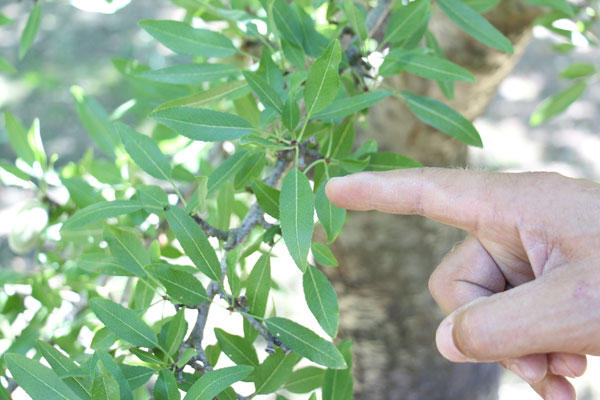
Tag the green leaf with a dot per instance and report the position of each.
(482, 6)
(136, 375)
(338, 384)
(291, 112)
(6, 66)
(321, 300)
(105, 386)
(182, 38)
(258, 286)
(111, 366)
(197, 202)
(101, 263)
(65, 368)
(265, 92)
(4, 20)
(226, 202)
(305, 380)
(559, 5)
(331, 217)
(238, 349)
(577, 70)
(267, 198)
(40, 382)
(96, 122)
(176, 332)
(443, 118)
(406, 20)
(350, 105)
(269, 71)
(226, 170)
(274, 371)
(203, 124)
(384, 161)
(125, 323)
(286, 22)
(144, 151)
(190, 74)
(31, 29)
(214, 382)
(558, 103)
(305, 342)
(323, 82)
(229, 90)
(181, 286)
(475, 25)
(165, 387)
(20, 139)
(128, 250)
(432, 68)
(293, 53)
(251, 169)
(447, 87)
(185, 357)
(356, 18)
(147, 357)
(296, 211)
(194, 241)
(342, 140)
(323, 255)
(101, 211)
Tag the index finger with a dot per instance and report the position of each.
(460, 198)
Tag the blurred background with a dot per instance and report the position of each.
(75, 45)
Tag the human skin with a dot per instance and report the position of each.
(523, 289)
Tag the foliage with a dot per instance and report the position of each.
(238, 146)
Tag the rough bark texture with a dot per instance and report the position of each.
(385, 261)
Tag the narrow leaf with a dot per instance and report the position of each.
(182, 38)
(229, 90)
(40, 382)
(442, 117)
(350, 105)
(267, 197)
(331, 217)
(305, 380)
(127, 248)
(338, 384)
(226, 171)
(194, 241)
(432, 68)
(558, 103)
(31, 29)
(356, 18)
(577, 70)
(6, 66)
(19, 138)
(305, 342)
(165, 387)
(274, 371)
(145, 152)
(384, 161)
(406, 20)
(181, 286)
(296, 210)
(65, 368)
(286, 22)
(321, 300)
(291, 112)
(323, 80)
(203, 124)
(266, 93)
(125, 323)
(323, 255)
(190, 74)
(101, 211)
(475, 25)
(214, 382)
(105, 386)
(238, 349)
(258, 286)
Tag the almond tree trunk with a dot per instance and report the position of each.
(385, 261)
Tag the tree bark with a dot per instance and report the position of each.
(385, 261)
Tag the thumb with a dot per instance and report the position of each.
(556, 313)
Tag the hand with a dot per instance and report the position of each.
(524, 288)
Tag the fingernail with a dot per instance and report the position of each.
(524, 372)
(445, 342)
